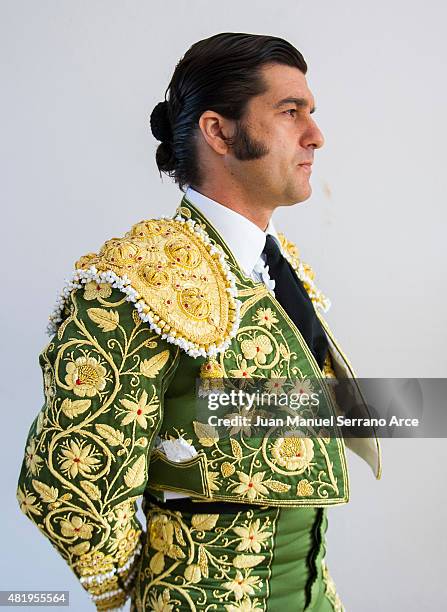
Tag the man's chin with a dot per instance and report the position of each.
(298, 196)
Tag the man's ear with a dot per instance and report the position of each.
(215, 130)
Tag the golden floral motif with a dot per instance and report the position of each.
(94, 290)
(251, 487)
(78, 458)
(242, 584)
(123, 514)
(32, 459)
(257, 348)
(85, 376)
(304, 272)
(183, 253)
(193, 302)
(244, 371)
(183, 211)
(155, 275)
(265, 317)
(138, 410)
(293, 452)
(252, 536)
(27, 502)
(76, 527)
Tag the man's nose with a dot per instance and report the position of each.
(314, 137)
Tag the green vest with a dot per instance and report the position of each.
(133, 330)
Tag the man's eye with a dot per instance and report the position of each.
(291, 110)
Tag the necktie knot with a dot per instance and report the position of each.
(271, 251)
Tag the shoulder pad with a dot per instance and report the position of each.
(304, 273)
(178, 281)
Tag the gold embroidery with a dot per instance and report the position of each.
(304, 273)
(198, 304)
(205, 560)
(88, 448)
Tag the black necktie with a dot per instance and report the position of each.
(292, 296)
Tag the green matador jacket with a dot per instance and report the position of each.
(135, 327)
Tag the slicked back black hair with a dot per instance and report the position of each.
(220, 73)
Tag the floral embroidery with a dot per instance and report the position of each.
(205, 560)
(293, 453)
(94, 291)
(75, 528)
(85, 376)
(251, 486)
(242, 584)
(252, 536)
(139, 410)
(266, 317)
(27, 502)
(85, 462)
(33, 461)
(78, 458)
(244, 371)
(257, 349)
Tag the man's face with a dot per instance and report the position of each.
(276, 136)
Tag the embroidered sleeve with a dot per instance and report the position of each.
(87, 453)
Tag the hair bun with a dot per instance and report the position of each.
(160, 123)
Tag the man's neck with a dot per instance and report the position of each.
(238, 202)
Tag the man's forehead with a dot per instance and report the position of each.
(287, 85)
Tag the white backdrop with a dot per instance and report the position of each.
(79, 80)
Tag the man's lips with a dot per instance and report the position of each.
(306, 166)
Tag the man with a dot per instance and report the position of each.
(213, 293)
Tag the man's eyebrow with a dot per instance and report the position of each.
(300, 103)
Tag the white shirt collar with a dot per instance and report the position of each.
(245, 239)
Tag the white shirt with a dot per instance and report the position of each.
(246, 241)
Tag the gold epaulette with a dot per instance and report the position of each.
(304, 273)
(179, 282)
